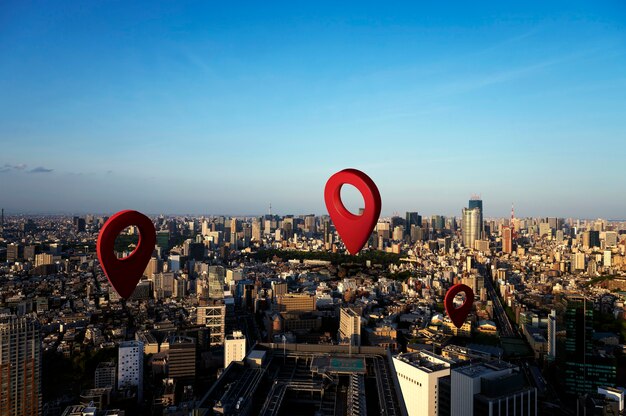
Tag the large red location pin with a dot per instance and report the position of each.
(459, 314)
(354, 230)
(124, 274)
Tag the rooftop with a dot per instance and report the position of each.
(426, 361)
(483, 369)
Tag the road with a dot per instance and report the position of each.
(502, 319)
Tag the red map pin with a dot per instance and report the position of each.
(354, 230)
(124, 274)
(459, 314)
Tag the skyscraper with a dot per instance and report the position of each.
(130, 367)
(105, 375)
(216, 282)
(552, 335)
(413, 218)
(256, 229)
(471, 226)
(585, 369)
(591, 239)
(476, 202)
(507, 240)
(233, 233)
(181, 357)
(20, 367)
(309, 224)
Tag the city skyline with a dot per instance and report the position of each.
(210, 108)
(301, 213)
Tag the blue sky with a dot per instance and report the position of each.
(224, 107)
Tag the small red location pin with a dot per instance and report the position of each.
(459, 314)
(124, 274)
(354, 230)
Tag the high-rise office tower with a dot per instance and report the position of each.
(79, 224)
(418, 375)
(181, 357)
(20, 367)
(14, 252)
(206, 227)
(105, 375)
(437, 222)
(610, 239)
(309, 224)
(578, 261)
(398, 233)
(233, 233)
(279, 289)
(154, 266)
(234, 348)
(288, 227)
(471, 226)
(413, 218)
(130, 367)
(507, 240)
(256, 229)
(326, 231)
(30, 252)
(552, 335)
(349, 327)
(476, 202)
(545, 229)
(174, 262)
(216, 282)
(163, 285)
(585, 370)
(492, 388)
(43, 259)
(591, 239)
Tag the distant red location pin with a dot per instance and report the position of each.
(458, 315)
(124, 274)
(354, 230)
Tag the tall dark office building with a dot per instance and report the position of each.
(163, 239)
(476, 202)
(181, 357)
(412, 218)
(20, 367)
(29, 252)
(14, 252)
(585, 368)
(28, 227)
(437, 222)
(79, 224)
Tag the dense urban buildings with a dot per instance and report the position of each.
(270, 315)
(20, 364)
